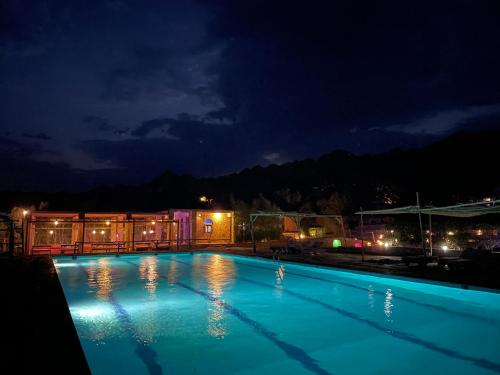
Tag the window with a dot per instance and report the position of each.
(208, 225)
(53, 232)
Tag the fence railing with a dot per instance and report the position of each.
(118, 247)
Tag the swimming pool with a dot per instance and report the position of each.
(207, 313)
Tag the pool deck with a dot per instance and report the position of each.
(386, 265)
(37, 329)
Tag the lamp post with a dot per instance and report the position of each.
(25, 213)
(208, 201)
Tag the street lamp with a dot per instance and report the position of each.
(208, 201)
(25, 213)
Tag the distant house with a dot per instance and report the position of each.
(72, 232)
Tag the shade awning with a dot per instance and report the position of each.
(459, 210)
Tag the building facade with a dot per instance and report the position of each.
(53, 232)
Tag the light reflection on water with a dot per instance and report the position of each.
(220, 273)
(280, 277)
(172, 272)
(388, 306)
(98, 317)
(99, 277)
(148, 270)
(371, 297)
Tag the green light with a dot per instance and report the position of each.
(336, 243)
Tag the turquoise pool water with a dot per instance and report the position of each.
(205, 313)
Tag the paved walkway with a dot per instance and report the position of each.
(388, 265)
(37, 331)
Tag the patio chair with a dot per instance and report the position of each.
(467, 259)
(419, 260)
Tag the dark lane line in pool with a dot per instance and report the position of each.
(480, 362)
(146, 354)
(294, 352)
(405, 299)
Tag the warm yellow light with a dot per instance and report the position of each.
(217, 216)
(228, 214)
(102, 232)
(25, 212)
(386, 244)
(107, 223)
(302, 236)
(56, 222)
(381, 236)
(151, 231)
(143, 232)
(51, 232)
(392, 230)
(203, 198)
(451, 233)
(368, 243)
(153, 222)
(479, 232)
(93, 232)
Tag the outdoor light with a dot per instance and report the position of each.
(107, 222)
(381, 236)
(56, 222)
(451, 233)
(479, 232)
(302, 236)
(203, 198)
(51, 232)
(444, 247)
(151, 231)
(153, 222)
(102, 232)
(386, 244)
(25, 212)
(143, 232)
(217, 216)
(392, 230)
(93, 232)
(336, 243)
(228, 214)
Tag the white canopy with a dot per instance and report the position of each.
(459, 210)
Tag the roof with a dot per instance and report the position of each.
(459, 210)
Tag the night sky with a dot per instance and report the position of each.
(118, 91)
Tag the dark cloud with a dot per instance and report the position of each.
(21, 162)
(39, 136)
(160, 72)
(185, 126)
(259, 81)
(102, 124)
(306, 67)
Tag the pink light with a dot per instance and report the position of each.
(358, 244)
